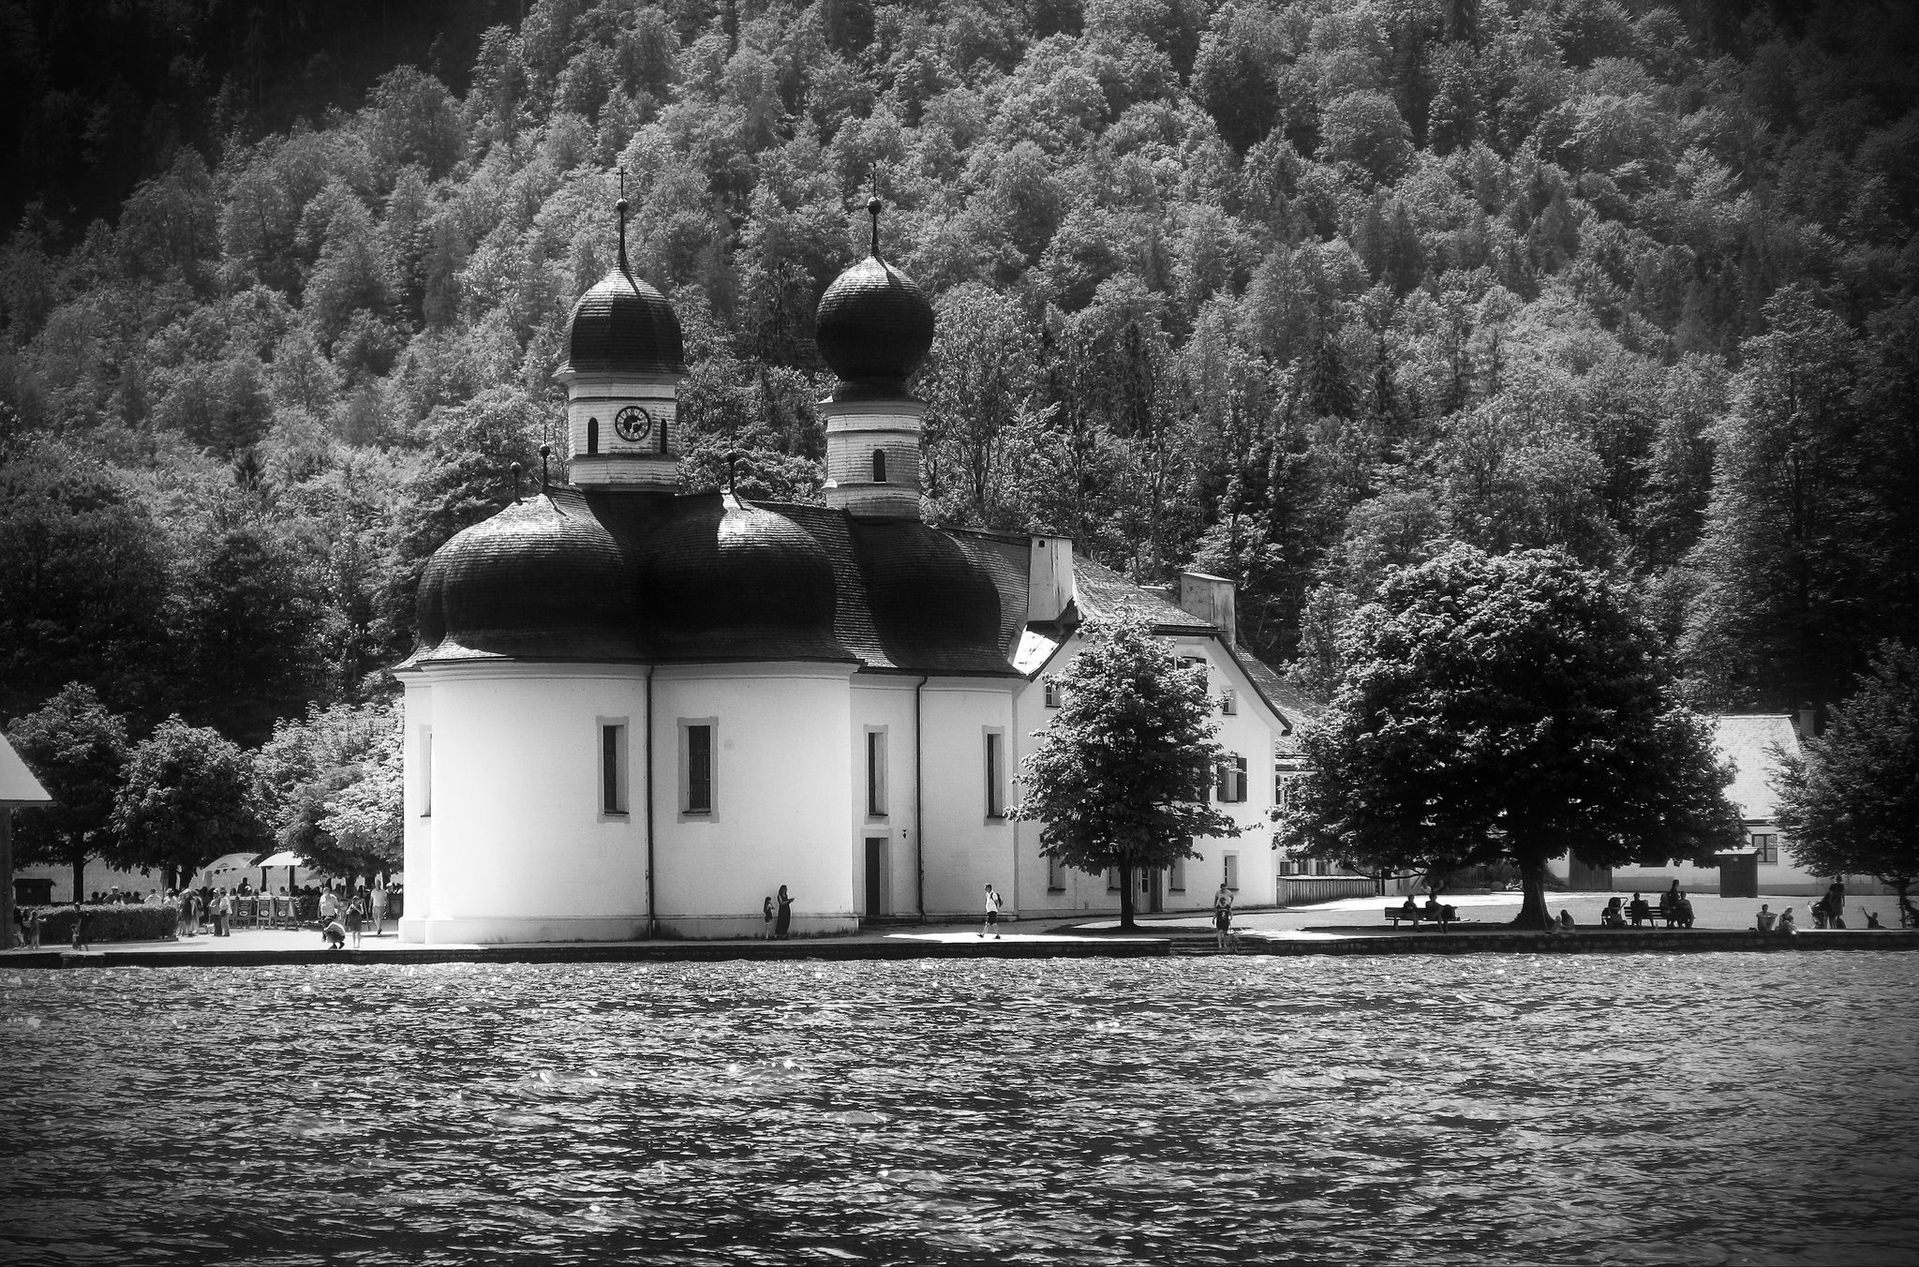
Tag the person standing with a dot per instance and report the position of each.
(354, 916)
(377, 905)
(783, 924)
(766, 919)
(329, 906)
(993, 905)
(79, 927)
(1223, 915)
(222, 912)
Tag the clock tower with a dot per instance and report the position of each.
(622, 373)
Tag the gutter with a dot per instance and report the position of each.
(919, 800)
(652, 917)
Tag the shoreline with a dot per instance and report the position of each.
(1065, 943)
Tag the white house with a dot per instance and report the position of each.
(633, 712)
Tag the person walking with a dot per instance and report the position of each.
(329, 906)
(783, 922)
(376, 906)
(1223, 915)
(80, 927)
(993, 905)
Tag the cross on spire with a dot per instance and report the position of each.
(621, 207)
(873, 206)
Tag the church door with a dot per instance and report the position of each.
(876, 903)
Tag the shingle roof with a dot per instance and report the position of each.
(1103, 592)
(1747, 741)
(623, 326)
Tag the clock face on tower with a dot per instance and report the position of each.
(633, 423)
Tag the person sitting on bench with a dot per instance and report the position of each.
(1438, 912)
(1614, 916)
(1766, 918)
(1639, 911)
(1682, 912)
(1411, 907)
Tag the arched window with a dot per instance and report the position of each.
(879, 466)
(592, 436)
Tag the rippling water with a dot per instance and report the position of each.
(1710, 1108)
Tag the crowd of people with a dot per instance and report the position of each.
(339, 912)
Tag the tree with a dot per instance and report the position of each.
(78, 751)
(1506, 708)
(1851, 799)
(1122, 772)
(187, 799)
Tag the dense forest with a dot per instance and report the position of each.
(1291, 292)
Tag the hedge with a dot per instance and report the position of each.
(109, 922)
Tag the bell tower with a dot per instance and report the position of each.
(624, 363)
(874, 328)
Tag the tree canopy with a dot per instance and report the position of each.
(78, 750)
(1124, 770)
(1849, 801)
(1506, 708)
(186, 801)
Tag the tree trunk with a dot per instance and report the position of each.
(1126, 923)
(79, 874)
(1533, 915)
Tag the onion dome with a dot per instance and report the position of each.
(623, 326)
(934, 606)
(726, 580)
(874, 325)
(541, 580)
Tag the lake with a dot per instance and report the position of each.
(1463, 1109)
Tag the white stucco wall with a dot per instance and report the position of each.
(885, 703)
(518, 847)
(781, 813)
(964, 848)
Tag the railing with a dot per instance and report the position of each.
(1302, 890)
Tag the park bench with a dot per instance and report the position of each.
(1660, 914)
(1442, 917)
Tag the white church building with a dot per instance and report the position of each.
(634, 712)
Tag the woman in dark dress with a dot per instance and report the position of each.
(785, 921)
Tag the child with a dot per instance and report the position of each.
(766, 918)
(353, 918)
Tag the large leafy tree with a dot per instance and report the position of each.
(78, 750)
(1851, 800)
(1122, 773)
(1506, 709)
(187, 799)
(328, 787)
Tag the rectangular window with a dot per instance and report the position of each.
(696, 767)
(1767, 845)
(1176, 874)
(426, 778)
(1055, 876)
(1052, 693)
(875, 772)
(1231, 779)
(995, 774)
(1286, 864)
(612, 767)
(1112, 879)
(1230, 871)
(1229, 702)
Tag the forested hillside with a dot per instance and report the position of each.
(1290, 292)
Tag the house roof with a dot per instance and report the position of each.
(17, 784)
(1747, 741)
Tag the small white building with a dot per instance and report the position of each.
(633, 712)
(1764, 864)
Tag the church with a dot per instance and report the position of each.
(633, 712)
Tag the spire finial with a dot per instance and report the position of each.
(873, 205)
(513, 474)
(621, 207)
(546, 451)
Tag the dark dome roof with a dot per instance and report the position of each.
(540, 580)
(623, 326)
(933, 605)
(733, 581)
(874, 327)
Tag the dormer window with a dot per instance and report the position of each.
(879, 466)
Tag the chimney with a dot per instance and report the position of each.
(1212, 599)
(1049, 579)
(1807, 723)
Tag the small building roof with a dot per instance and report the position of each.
(1747, 741)
(17, 784)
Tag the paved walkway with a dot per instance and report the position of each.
(1351, 925)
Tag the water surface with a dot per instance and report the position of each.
(1457, 1109)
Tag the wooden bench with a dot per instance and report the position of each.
(1661, 914)
(1442, 917)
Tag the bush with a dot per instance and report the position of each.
(115, 922)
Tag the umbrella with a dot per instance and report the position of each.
(285, 858)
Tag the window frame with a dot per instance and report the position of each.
(1229, 870)
(426, 766)
(615, 767)
(993, 758)
(709, 812)
(878, 802)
